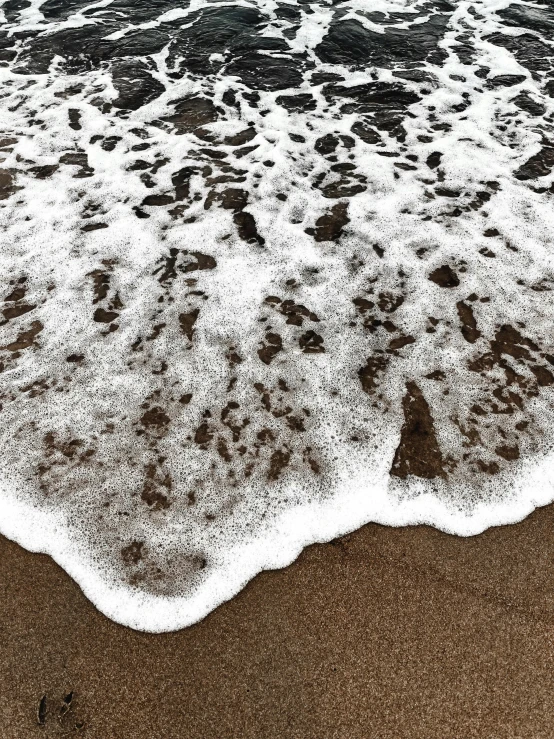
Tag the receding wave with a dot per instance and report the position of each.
(270, 271)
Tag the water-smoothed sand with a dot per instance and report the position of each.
(393, 633)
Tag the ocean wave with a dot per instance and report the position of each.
(271, 271)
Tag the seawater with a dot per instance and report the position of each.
(269, 271)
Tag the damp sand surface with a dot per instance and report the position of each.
(389, 633)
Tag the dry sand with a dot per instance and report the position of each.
(384, 633)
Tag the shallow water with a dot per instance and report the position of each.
(269, 271)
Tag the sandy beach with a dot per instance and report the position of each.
(269, 272)
(384, 633)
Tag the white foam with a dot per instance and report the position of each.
(159, 521)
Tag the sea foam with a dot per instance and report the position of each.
(270, 271)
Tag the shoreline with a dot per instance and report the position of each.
(387, 632)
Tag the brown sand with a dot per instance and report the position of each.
(385, 633)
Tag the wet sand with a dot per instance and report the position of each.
(384, 633)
